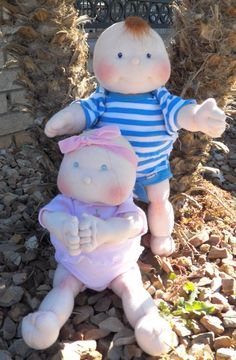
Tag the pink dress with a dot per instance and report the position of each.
(98, 268)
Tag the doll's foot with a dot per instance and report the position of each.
(155, 336)
(162, 245)
(40, 329)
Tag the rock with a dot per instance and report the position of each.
(212, 323)
(229, 319)
(93, 299)
(204, 248)
(31, 243)
(5, 355)
(82, 314)
(201, 351)
(228, 269)
(222, 342)
(98, 318)
(9, 328)
(218, 253)
(196, 327)
(95, 334)
(102, 304)
(124, 337)
(18, 311)
(181, 329)
(210, 270)
(78, 350)
(199, 238)
(232, 299)
(11, 296)
(132, 351)
(179, 353)
(112, 324)
(9, 199)
(214, 240)
(216, 284)
(18, 347)
(229, 286)
(218, 298)
(19, 278)
(114, 352)
(92, 355)
(206, 338)
(225, 354)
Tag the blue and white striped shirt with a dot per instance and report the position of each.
(148, 121)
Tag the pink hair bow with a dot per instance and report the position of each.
(103, 137)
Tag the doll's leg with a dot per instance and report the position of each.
(153, 333)
(41, 328)
(160, 218)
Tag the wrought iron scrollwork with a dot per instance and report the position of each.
(106, 12)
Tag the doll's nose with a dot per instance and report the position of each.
(135, 60)
(87, 180)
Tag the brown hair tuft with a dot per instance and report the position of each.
(137, 26)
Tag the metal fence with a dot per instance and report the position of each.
(106, 12)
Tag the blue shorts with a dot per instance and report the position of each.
(139, 187)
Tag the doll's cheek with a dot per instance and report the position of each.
(162, 70)
(105, 71)
(62, 185)
(114, 194)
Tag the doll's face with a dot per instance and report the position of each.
(129, 64)
(96, 175)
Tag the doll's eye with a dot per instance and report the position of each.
(149, 55)
(76, 164)
(103, 167)
(120, 55)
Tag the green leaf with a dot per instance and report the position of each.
(172, 276)
(189, 287)
(164, 308)
(199, 307)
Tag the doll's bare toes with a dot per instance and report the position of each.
(155, 336)
(162, 246)
(40, 329)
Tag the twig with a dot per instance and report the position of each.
(200, 188)
(193, 77)
(190, 198)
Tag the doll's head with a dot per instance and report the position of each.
(99, 166)
(131, 58)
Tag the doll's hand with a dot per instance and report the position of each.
(210, 119)
(71, 237)
(59, 124)
(91, 229)
(67, 121)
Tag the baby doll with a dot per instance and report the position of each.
(132, 66)
(96, 228)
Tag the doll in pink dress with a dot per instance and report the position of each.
(96, 230)
(132, 66)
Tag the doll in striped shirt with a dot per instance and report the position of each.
(132, 66)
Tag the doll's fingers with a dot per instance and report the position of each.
(217, 114)
(73, 241)
(85, 223)
(85, 233)
(85, 240)
(74, 252)
(87, 247)
(71, 227)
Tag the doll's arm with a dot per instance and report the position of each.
(69, 120)
(65, 228)
(94, 231)
(207, 118)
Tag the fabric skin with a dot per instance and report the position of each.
(92, 268)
